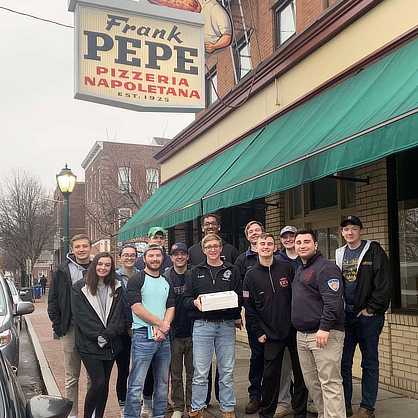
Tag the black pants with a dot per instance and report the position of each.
(273, 359)
(96, 397)
(122, 361)
(209, 394)
(149, 384)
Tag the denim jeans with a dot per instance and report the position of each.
(364, 331)
(143, 352)
(207, 337)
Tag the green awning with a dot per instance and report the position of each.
(369, 116)
(180, 200)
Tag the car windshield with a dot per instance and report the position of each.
(2, 302)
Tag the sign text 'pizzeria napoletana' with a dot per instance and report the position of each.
(139, 56)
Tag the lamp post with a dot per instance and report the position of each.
(66, 182)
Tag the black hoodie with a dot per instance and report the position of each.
(267, 299)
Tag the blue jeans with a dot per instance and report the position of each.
(364, 331)
(208, 336)
(255, 374)
(143, 352)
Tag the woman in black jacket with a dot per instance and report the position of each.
(96, 303)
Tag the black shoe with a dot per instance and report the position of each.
(349, 411)
(252, 406)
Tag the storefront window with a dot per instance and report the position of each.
(323, 194)
(328, 241)
(297, 201)
(408, 228)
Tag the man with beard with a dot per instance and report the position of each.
(152, 301)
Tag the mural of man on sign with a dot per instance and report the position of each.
(218, 23)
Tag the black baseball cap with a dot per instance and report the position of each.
(353, 220)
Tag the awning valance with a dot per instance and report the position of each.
(367, 117)
(180, 200)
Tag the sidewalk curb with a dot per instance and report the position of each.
(47, 376)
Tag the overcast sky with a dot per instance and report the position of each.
(41, 125)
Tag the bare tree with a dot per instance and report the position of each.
(27, 220)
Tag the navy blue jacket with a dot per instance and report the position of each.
(282, 255)
(245, 261)
(318, 296)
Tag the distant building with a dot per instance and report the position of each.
(119, 179)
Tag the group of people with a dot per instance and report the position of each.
(304, 316)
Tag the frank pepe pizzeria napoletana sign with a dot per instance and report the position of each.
(138, 56)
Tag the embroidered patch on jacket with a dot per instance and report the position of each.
(334, 284)
(308, 275)
(367, 263)
(227, 274)
(246, 294)
(284, 282)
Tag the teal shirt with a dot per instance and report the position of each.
(154, 294)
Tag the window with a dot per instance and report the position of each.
(408, 228)
(124, 179)
(42, 272)
(124, 215)
(152, 180)
(328, 241)
(242, 57)
(211, 86)
(285, 21)
(323, 194)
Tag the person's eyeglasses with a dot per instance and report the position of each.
(212, 247)
(128, 255)
(210, 224)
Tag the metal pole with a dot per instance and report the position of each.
(66, 225)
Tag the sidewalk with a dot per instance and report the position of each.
(50, 358)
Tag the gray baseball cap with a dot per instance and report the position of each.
(288, 228)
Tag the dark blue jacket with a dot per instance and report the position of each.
(282, 255)
(318, 296)
(245, 261)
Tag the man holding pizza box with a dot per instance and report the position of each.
(215, 318)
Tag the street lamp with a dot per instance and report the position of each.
(66, 182)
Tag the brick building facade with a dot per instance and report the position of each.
(119, 179)
(270, 137)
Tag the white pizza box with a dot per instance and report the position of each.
(219, 300)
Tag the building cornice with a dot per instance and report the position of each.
(97, 147)
(370, 59)
(333, 21)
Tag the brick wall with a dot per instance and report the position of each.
(398, 347)
(372, 202)
(259, 20)
(275, 216)
(306, 12)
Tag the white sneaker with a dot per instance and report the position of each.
(281, 411)
(177, 414)
(145, 411)
(73, 416)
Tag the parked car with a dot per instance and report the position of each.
(13, 290)
(9, 322)
(13, 403)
